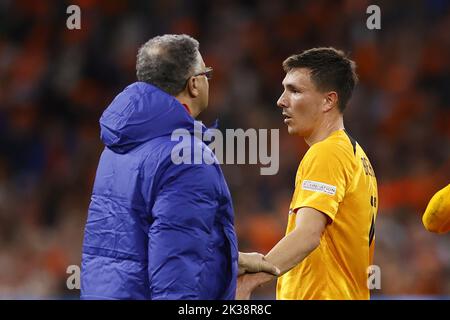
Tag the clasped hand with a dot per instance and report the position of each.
(254, 270)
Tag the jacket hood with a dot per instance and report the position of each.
(139, 113)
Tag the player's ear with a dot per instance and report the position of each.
(330, 101)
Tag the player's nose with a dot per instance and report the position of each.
(282, 102)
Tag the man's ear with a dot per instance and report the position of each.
(192, 87)
(330, 101)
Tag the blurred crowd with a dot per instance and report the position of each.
(55, 83)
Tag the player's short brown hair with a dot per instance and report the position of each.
(330, 69)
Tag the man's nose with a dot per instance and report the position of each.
(281, 101)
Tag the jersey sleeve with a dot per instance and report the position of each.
(437, 214)
(322, 179)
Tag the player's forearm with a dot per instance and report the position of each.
(286, 254)
(293, 248)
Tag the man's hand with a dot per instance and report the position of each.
(248, 282)
(254, 262)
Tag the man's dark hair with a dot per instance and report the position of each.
(330, 69)
(168, 61)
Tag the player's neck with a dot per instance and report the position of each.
(324, 130)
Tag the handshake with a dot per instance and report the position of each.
(254, 270)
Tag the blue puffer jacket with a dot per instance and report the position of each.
(156, 230)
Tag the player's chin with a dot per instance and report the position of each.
(292, 130)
